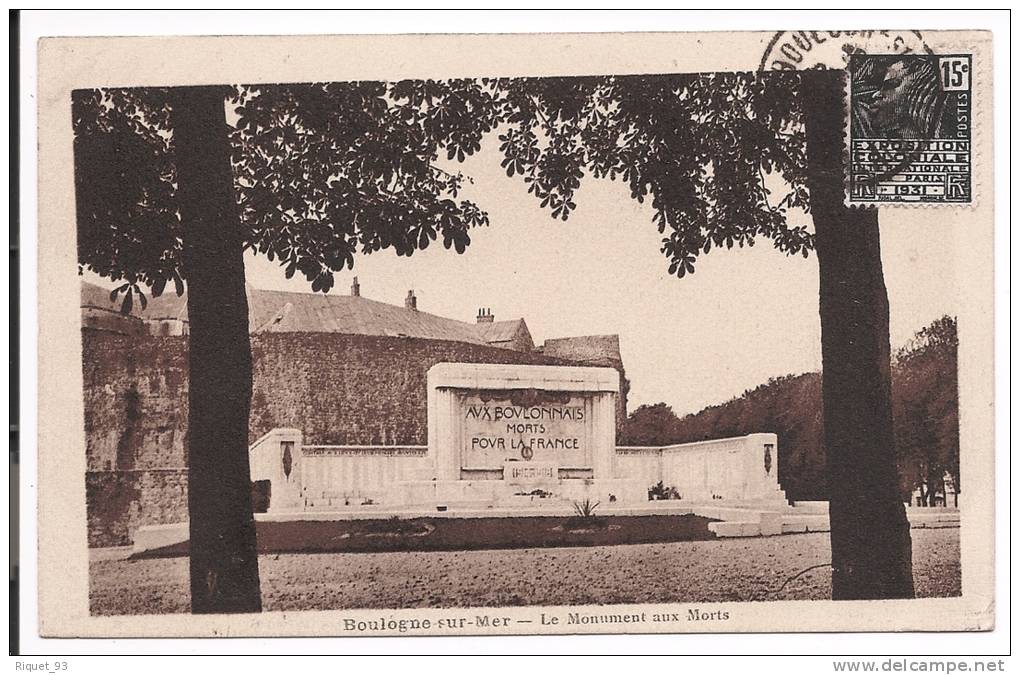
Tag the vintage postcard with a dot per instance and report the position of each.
(515, 334)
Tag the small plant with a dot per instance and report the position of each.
(585, 519)
(661, 491)
(585, 509)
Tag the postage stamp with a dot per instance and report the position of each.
(910, 128)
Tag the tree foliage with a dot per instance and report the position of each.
(325, 171)
(699, 147)
(925, 407)
(650, 424)
(321, 171)
(125, 186)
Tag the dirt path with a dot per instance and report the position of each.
(698, 571)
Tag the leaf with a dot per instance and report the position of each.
(125, 307)
(157, 287)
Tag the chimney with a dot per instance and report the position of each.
(484, 316)
(411, 302)
(356, 288)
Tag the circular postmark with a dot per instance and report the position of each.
(825, 50)
(809, 49)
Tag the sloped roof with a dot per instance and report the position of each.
(287, 312)
(95, 296)
(279, 311)
(282, 311)
(167, 306)
(499, 331)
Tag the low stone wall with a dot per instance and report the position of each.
(352, 475)
(742, 468)
(119, 502)
(317, 476)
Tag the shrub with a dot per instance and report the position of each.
(660, 491)
(585, 518)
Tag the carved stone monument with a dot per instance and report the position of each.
(502, 431)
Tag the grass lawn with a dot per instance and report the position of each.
(463, 534)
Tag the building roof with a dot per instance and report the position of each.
(500, 331)
(602, 349)
(281, 311)
(167, 306)
(287, 312)
(95, 296)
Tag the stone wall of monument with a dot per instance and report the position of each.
(337, 389)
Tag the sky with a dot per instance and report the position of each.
(744, 316)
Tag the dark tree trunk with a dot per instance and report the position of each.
(871, 553)
(224, 564)
(936, 485)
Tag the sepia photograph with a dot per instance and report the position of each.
(588, 349)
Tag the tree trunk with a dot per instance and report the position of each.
(224, 563)
(871, 552)
(936, 484)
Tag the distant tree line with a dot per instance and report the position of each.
(925, 418)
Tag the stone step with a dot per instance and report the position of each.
(808, 522)
(920, 520)
(811, 506)
(149, 537)
(736, 528)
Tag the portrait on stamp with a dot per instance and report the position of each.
(910, 128)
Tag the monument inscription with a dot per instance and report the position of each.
(523, 425)
(485, 418)
(530, 472)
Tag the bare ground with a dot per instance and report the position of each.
(693, 571)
